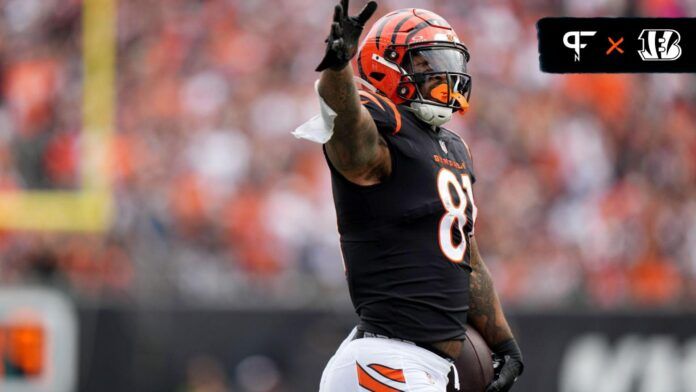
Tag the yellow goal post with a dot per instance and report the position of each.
(90, 208)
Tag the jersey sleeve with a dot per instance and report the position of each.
(383, 111)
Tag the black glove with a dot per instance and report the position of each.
(507, 362)
(342, 43)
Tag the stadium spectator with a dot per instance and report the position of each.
(210, 186)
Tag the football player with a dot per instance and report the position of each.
(402, 187)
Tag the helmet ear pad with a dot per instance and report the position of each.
(381, 69)
(406, 90)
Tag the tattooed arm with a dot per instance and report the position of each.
(485, 312)
(487, 317)
(356, 149)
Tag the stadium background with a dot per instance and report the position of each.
(148, 174)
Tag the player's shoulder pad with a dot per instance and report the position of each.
(383, 111)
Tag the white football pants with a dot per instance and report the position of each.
(382, 364)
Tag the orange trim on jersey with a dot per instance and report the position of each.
(392, 374)
(371, 97)
(370, 383)
(376, 98)
(397, 115)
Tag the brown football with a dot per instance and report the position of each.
(474, 365)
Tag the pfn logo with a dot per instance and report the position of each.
(576, 45)
(660, 45)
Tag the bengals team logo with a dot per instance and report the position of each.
(660, 45)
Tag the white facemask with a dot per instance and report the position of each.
(431, 114)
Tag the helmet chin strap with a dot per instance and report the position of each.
(432, 114)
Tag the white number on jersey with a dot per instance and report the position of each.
(455, 213)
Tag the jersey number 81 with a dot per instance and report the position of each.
(455, 213)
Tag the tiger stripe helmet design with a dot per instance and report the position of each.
(386, 58)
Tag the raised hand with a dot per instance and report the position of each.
(342, 42)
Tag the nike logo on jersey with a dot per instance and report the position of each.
(443, 145)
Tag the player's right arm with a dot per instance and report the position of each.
(356, 148)
(486, 315)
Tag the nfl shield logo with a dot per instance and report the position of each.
(444, 147)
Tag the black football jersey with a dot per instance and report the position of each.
(405, 241)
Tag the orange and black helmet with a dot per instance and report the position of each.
(409, 46)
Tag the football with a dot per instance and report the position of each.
(474, 364)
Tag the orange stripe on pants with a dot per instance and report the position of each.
(371, 384)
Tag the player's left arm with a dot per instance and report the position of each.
(486, 315)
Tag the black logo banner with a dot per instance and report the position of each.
(617, 45)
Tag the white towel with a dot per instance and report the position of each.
(319, 128)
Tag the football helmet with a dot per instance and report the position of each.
(414, 57)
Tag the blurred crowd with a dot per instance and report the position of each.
(586, 184)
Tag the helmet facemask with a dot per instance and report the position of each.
(435, 81)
